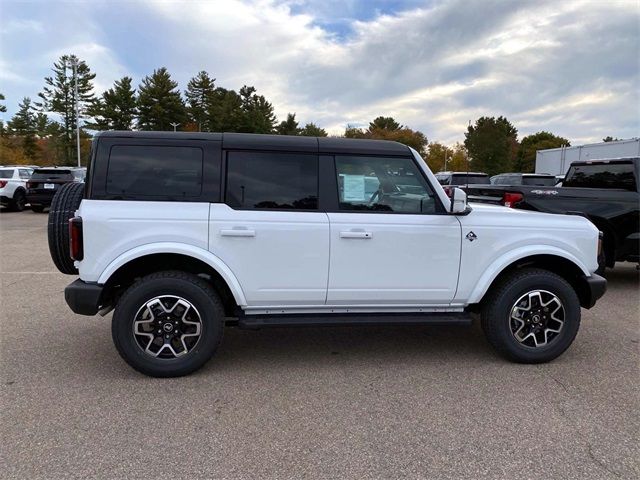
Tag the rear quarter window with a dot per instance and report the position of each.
(6, 173)
(154, 171)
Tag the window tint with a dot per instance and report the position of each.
(148, 171)
(6, 173)
(25, 173)
(542, 181)
(52, 174)
(463, 179)
(443, 179)
(605, 175)
(382, 184)
(285, 181)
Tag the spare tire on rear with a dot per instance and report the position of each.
(63, 207)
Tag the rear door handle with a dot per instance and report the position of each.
(352, 234)
(237, 232)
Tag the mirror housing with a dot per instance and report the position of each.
(458, 201)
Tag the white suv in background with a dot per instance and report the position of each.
(13, 186)
(184, 233)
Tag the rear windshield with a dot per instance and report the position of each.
(51, 174)
(542, 181)
(470, 179)
(6, 173)
(601, 175)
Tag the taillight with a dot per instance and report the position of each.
(29, 185)
(76, 250)
(3, 183)
(448, 189)
(600, 237)
(509, 199)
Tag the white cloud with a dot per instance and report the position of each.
(570, 67)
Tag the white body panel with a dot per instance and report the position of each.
(15, 182)
(505, 235)
(380, 258)
(280, 258)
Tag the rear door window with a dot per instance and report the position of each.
(266, 180)
(138, 172)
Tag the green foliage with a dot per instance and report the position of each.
(526, 160)
(58, 95)
(456, 157)
(609, 138)
(384, 123)
(386, 128)
(116, 109)
(23, 125)
(257, 112)
(312, 130)
(3, 108)
(159, 102)
(289, 126)
(492, 144)
(201, 101)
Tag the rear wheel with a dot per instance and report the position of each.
(19, 201)
(532, 316)
(63, 207)
(168, 324)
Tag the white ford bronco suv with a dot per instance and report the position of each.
(184, 233)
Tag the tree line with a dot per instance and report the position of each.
(43, 131)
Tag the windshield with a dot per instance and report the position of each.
(601, 175)
(463, 179)
(6, 173)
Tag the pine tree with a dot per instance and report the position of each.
(492, 144)
(312, 130)
(159, 102)
(58, 96)
(3, 108)
(288, 126)
(225, 112)
(116, 109)
(257, 112)
(200, 95)
(23, 125)
(384, 123)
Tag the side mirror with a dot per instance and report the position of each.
(458, 201)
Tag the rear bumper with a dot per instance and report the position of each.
(592, 288)
(84, 298)
(40, 199)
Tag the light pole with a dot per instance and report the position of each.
(445, 159)
(74, 64)
(174, 125)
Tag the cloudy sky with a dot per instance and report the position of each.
(569, 67)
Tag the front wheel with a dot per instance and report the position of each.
(168, 324)
(532, 316)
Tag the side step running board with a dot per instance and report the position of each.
(354, 319)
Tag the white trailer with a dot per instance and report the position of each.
(556, 161)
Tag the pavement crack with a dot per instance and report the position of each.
(600, 463)
(564, 387)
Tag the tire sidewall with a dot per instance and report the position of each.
(136, 297)
(502, 309)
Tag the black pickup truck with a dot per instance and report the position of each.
(605, 191)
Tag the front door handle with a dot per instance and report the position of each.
(352, 234)
(237, 232)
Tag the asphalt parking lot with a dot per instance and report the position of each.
(362, 402)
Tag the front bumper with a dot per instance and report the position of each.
(591, 289)
(84, 298)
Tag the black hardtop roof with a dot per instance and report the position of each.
(253, 141)
(607, 160)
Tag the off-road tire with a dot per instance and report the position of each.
(496, 311)
(190, 287)
(63, 207)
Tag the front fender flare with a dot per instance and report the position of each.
(182, 249)
(502, 262)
